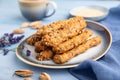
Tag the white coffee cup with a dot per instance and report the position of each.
(36, 9)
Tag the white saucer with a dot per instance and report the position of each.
(105, 11)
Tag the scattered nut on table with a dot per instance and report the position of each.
(19, 31)
(36, 25)
(44, 76)
(24, 73)
(25, 24)
(27, 79)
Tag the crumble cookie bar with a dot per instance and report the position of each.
(60, 25)
(54, 26)
(73, 42)
(72, 28)
(62, 58)
(51, 27)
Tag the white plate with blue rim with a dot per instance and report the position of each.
(91, 12)
(94, 53)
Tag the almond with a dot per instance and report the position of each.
(36, 25)
(44, 76)
(27, 79)
(24, 73)
(19, 31)
(25, 24)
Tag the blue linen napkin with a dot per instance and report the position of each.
(108, 67)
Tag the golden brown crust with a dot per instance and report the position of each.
(74, 42)
(71, 28)
(45, 55)
(62, 58)
(33, 38)
(54, 26)
(51, 27)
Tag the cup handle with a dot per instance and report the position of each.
(54, 5)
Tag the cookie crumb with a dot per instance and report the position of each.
(19, 31)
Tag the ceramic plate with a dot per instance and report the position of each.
(92, 53)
